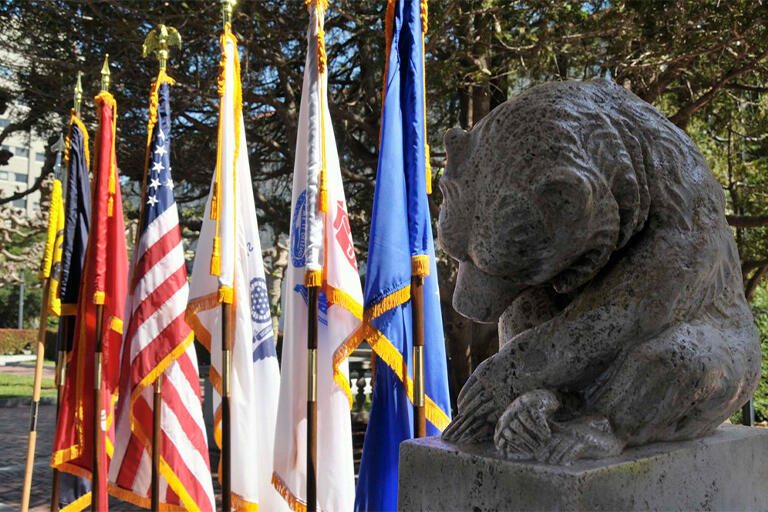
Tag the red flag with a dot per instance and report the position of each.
(104, 282)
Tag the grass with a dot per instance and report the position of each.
(15, 386)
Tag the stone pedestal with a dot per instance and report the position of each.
(726, 471)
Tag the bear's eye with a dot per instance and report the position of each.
(566, 197)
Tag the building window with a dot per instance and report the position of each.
(21, 178)
(4, 122)
(5, 147)
(4, 175)
(20, 203)
(22, 152)
(40, 157)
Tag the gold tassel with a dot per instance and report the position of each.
(216, 257)
(215, 201)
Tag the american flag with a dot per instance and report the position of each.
(158, 341)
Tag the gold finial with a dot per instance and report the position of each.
(159, 40)
(78, 93)
(105, 74)
(226, 11)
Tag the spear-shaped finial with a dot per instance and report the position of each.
(58, 148)
(78, 98)
(105, 74)
(159, 40)
(226, 11)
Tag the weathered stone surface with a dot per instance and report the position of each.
(592, 230)
(725, 471)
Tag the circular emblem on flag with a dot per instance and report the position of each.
(298, 231)
(259, 300)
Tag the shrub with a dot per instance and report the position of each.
(14, 341)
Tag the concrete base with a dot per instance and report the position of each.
(726, 471)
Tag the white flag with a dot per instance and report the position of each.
(228, 268)
(321, 249)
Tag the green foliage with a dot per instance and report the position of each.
(15, 341)
(760, 310)
(9, 302)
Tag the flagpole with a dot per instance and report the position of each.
(157, 405)
(312, 292)
(32, 440)
(418, 275)
(97, 408)
(158, 42)
(226, 392)
(417, 312)
(226, 358)
(97, 368)
(64, 348)
(61, 375)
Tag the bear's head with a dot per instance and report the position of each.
(540, 192)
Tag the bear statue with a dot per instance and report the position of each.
(592, 230)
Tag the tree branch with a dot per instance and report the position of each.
(747, 221)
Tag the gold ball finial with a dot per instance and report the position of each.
(105, 74)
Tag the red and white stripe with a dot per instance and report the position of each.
(154, 340)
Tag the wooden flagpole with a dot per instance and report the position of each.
(97, 410)
(98, 406)
(157, 405)
(157, 41)
(64, 348)
(312, 292)
(61, 376)
(417, 315)
(32, 440)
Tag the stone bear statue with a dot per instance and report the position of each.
(592, 230)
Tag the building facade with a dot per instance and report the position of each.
(23, 168)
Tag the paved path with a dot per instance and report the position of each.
(27, 368)
(14, 428)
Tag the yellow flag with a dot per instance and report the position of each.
(51, 264)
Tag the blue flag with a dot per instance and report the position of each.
(76, 217)
(401, 246)
(74, 491)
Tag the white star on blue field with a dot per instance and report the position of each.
(159, 193)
